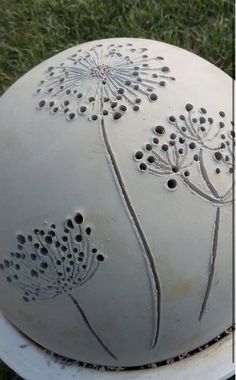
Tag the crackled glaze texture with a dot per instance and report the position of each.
(142, 272)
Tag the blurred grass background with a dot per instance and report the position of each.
(33, 30)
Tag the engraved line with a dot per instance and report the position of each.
(205, 175)
(75, 302)
(146, 247)
(213, 259)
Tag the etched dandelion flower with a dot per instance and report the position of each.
(48, 263)
(184, 153)
(103, 80)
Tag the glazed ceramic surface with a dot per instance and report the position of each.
(116, 202)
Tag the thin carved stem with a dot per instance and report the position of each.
(202, 194)
(213, 259)
(147, 250)
(205, 176)
(91, 329)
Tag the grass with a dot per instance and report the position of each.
(33, 30)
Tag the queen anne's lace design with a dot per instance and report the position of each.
(102, 81)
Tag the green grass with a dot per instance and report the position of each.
(33, 30)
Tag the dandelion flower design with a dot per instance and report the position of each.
(102, 81)
(105, 82)
(48, 263)
(180, 150)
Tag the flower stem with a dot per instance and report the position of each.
(213, 259)
(148, 254)
(91, 329)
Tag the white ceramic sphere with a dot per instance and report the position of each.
(116, 202)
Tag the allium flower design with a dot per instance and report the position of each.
(183, 147)
(48, 263)
(103, 80)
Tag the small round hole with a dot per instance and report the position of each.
(42, 103)
(117, 115)
(143, 166)
(139, 155)
(189, 107)
(153, 96)
(172, 183)
(71, 116)
(100, 257)
(160, 130)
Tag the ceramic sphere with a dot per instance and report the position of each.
(116, 202)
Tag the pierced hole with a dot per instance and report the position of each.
(189, 107)
(175, 169)
(69, 223)
(123, 108)
(135, 108)
(71, 116)
(218, 156)
(202, 120)
(165, 147)
(42, 103)
(20, 239)
(44, 251)
(192, 145)
(165, 69)
(153, 97)
(160, 130)
(139, 155)
(78, 238)
(143, 166)
(88, 230)
(94, 117)
(83, 109)
(100, 257)
(148, 147)
(117, 115)
(48, 239)
(44, 265)
(172, 183)
(78, 218)
(151, 159)
(172, 119)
